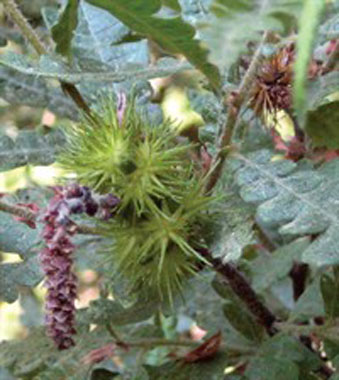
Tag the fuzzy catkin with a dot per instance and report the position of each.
(56, 258)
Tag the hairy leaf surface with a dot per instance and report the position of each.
(141, 17)
(296, 199)
(50, 67)
(227, 41)
(29, 147)
(23, 89)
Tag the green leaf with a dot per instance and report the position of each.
(104, 311)
(330, 29)
(212, 369)
(308, 24)
(5, 375)
(50, 67)
(269, 368)
(295, 199)
(27, 273)
(62, 32)
(271, 268)
(310, 303)
(29, 147)
(173, 4)
(22, 89)
(97, 39)
(227, 40)
(235, 229)
(321, 88)
(329, 286)
(242, 321)
(322, 126)
(282, 357)
(36, 357)
(139, 16)
(290, 348)
(205, 307)
(16, 237)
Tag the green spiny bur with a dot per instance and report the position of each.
(160, 222)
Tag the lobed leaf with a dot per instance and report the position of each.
(35, 356)
(296, 199)
(16, 237)
(227, 40)
(22, 89)
(172, 34)
(29, 147)
(97, 39)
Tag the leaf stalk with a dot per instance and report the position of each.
(29, 33)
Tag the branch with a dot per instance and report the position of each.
(29, 215)
(16, 15)
(244, 291)
(234, 103)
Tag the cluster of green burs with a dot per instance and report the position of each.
(160, 223)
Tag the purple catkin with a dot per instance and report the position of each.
(56, 258)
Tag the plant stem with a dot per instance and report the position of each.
(244, 291)
(27, 214)
(16, 15)
(234, 103)
(113, 333)
(18, 211)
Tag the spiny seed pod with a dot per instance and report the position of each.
(159, 252)
(159, 223)
(272, 90)
(128, 155)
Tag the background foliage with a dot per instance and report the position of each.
(278, 217)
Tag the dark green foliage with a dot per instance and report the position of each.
(62, 32)
(181, 371)
(329, 290)
(322, 126)
(30, 147)
(295, 199)
(18, 238)
(272, 214)
(139, 16)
